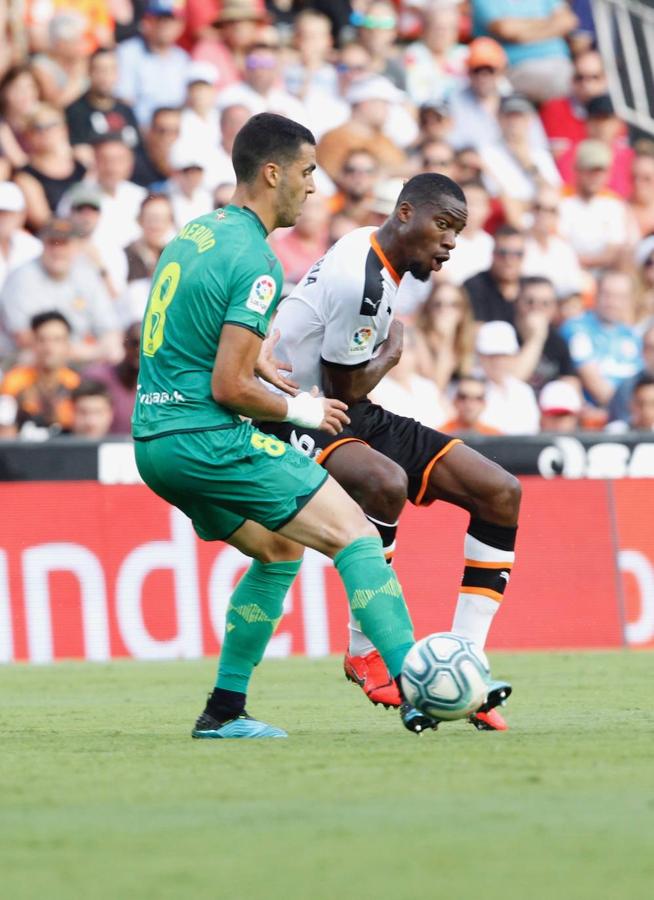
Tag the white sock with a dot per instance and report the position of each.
(477, 606)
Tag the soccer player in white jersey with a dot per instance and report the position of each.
(337, 332)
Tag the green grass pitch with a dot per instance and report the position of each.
(104, 795)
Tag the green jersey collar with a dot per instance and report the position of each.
(251, 214)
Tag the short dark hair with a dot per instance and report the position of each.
(91, 388)
(428, 187)
(101, 51)
(264, 138)
(50, 315)
(508, 231)
(645, 379)
(109, 137)
(534, 281)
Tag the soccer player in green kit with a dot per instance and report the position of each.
(214, 292)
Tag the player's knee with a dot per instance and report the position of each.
(338, 537)
(507, 496)
(382, 492)
(277, 548)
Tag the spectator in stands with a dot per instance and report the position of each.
(408, 393)
(17, 246)
(188, 196)
(493, 292)
(152, 165)
(445, 335)
(219, 168)
(120, 379)
(152, 67)
(157, 229)
(98, 112)
(38, 395)
(106, 256)
(62, 72)
(92, 411)
(546, 253)
(641, 202)
(533, 35)
(300, 246)
(603, 125)
(544, 354)
(376, 31)
(200, 119)
(259, 90)
(474, 246)
(356, 182)
(19, 96)
(58, 280)
(371, 99)
(438, 60)
(121, 198)
(511, 406)
(619, 406)
(565, 117)
(312, 77)
(514, 170)
(437, 156)
(469, 166)
(560, 407)
(603, 344)
(641, 406)
(52, 168)
(237, 27)
(644, 259)
(435, 121)
(593, 220)
(469, 403)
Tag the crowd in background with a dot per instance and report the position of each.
(117, 119)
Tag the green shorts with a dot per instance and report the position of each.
(220, 478)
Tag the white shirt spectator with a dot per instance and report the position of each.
(592, 225)
(556, 261)
(420, 400)
(203, 134)
(277, 100)
(150, 80)
(475, 126)
(470, 256)
(130, 306)
(23, 248)
(186, 208)
(504, 175)
(119, 212)
(511, 407)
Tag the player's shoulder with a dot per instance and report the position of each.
(347, 257)
(17, 379)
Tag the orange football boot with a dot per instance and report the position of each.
(372, 676)
(491, 720)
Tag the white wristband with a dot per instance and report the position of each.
(305, 410)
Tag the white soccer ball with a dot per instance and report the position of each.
(446, 676)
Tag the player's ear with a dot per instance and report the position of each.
(404, 211)
(271, 174)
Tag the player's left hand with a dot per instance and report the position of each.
(271, 369)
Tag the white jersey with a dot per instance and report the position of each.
(341, 310)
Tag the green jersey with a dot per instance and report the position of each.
(218, 270)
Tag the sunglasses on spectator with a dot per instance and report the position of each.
(446, 304)
(648, 263)
(540, 207)
(344, 67)
(260, 62)
(589, 76)
(504, 251)
(533, 302)
(430, 162)
(163, 129)
(483, 70)
(358, 170)
(461, 395)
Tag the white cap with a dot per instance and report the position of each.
(374, 88)
(559, 398)
(11, 197)
(385, 196)
(497, 339)
(183, 155)
(200, 70)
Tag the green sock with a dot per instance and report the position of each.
(254, 612)
(376, 600)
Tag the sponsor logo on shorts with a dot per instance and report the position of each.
(262, 293)
(361, 339)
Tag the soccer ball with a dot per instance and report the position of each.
(446, 676)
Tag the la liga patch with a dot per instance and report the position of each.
(261, 294)
(361, 339)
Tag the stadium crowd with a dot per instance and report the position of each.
(117, 119)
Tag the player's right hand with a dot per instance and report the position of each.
(335, 418)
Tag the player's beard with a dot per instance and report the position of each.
(419, 270)
(289, 205)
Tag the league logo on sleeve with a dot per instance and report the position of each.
(361, 339)
(261, 295)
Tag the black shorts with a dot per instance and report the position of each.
(414, 447)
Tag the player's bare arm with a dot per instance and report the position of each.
(272, 369)
(354, 384)
(234, 384)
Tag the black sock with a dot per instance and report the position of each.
(398, 682)
(223, 704)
